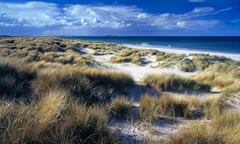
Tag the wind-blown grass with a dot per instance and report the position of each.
(44, 49)
(134, 56)
(226, 77)
(149, 108)
(65, 100)
(185, 106)
(14, 80)
(203, 61)
(119, 107)
(54, 119)
(86, 84)
(166, 82)
(222, 130)
(186, 65)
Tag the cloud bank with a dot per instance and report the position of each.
(80, 19)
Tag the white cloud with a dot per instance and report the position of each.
(142, 16)
(202, 10)
(35, 14)
(189, 20)
(78, 17)
(224, 9)
(101, 16)
(181, 24)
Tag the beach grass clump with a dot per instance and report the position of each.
(129, 59)
(172, 106)
(26, 122)
(149, 108)
(223, 129)
(43, 49)
(213, 107)
(118, 59)
(119, 107)
(186, 65)
(182, 61)
(203, 61)
(196, 134)
(225, 77)
(168, 59)
(108, 79)
(15, 79)
(232, 90)
(102, 48)
(77, 85)
(54, 118)
(86, 84)
(185, 106)
(129, 55)
(214, 79)
(86, 124)
(168, 82)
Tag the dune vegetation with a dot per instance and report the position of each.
(52, 91)
(224, 76)
(165, 82)
(185, 106)
(53, 96)
(223, 129)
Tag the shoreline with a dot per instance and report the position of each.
(235, 57)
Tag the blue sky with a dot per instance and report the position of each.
(120, 17)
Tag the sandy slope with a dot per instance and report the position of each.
(134, 131)
(138, 72)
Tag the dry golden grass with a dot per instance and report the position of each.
(184, 106)
(223, 129)
(173, 106)
(213, 107)
(129, 55)
(49, 109)
(15, 77)
(119, 107)
(226, 77)
(44, 49)
(101, 48)
(86, 84)
(64, 95)
(149, 108)
(54, 119)
(186, 65)
(166, 82)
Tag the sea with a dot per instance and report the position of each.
(219, 44)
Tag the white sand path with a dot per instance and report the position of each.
(138, 72)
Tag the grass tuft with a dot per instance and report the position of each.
(166, 82)
(149, 108)
(14, 80)
(223, 129)
(119, 107)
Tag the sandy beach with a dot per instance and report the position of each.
(184, 51)
(139, 71)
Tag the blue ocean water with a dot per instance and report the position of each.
(206, 44)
